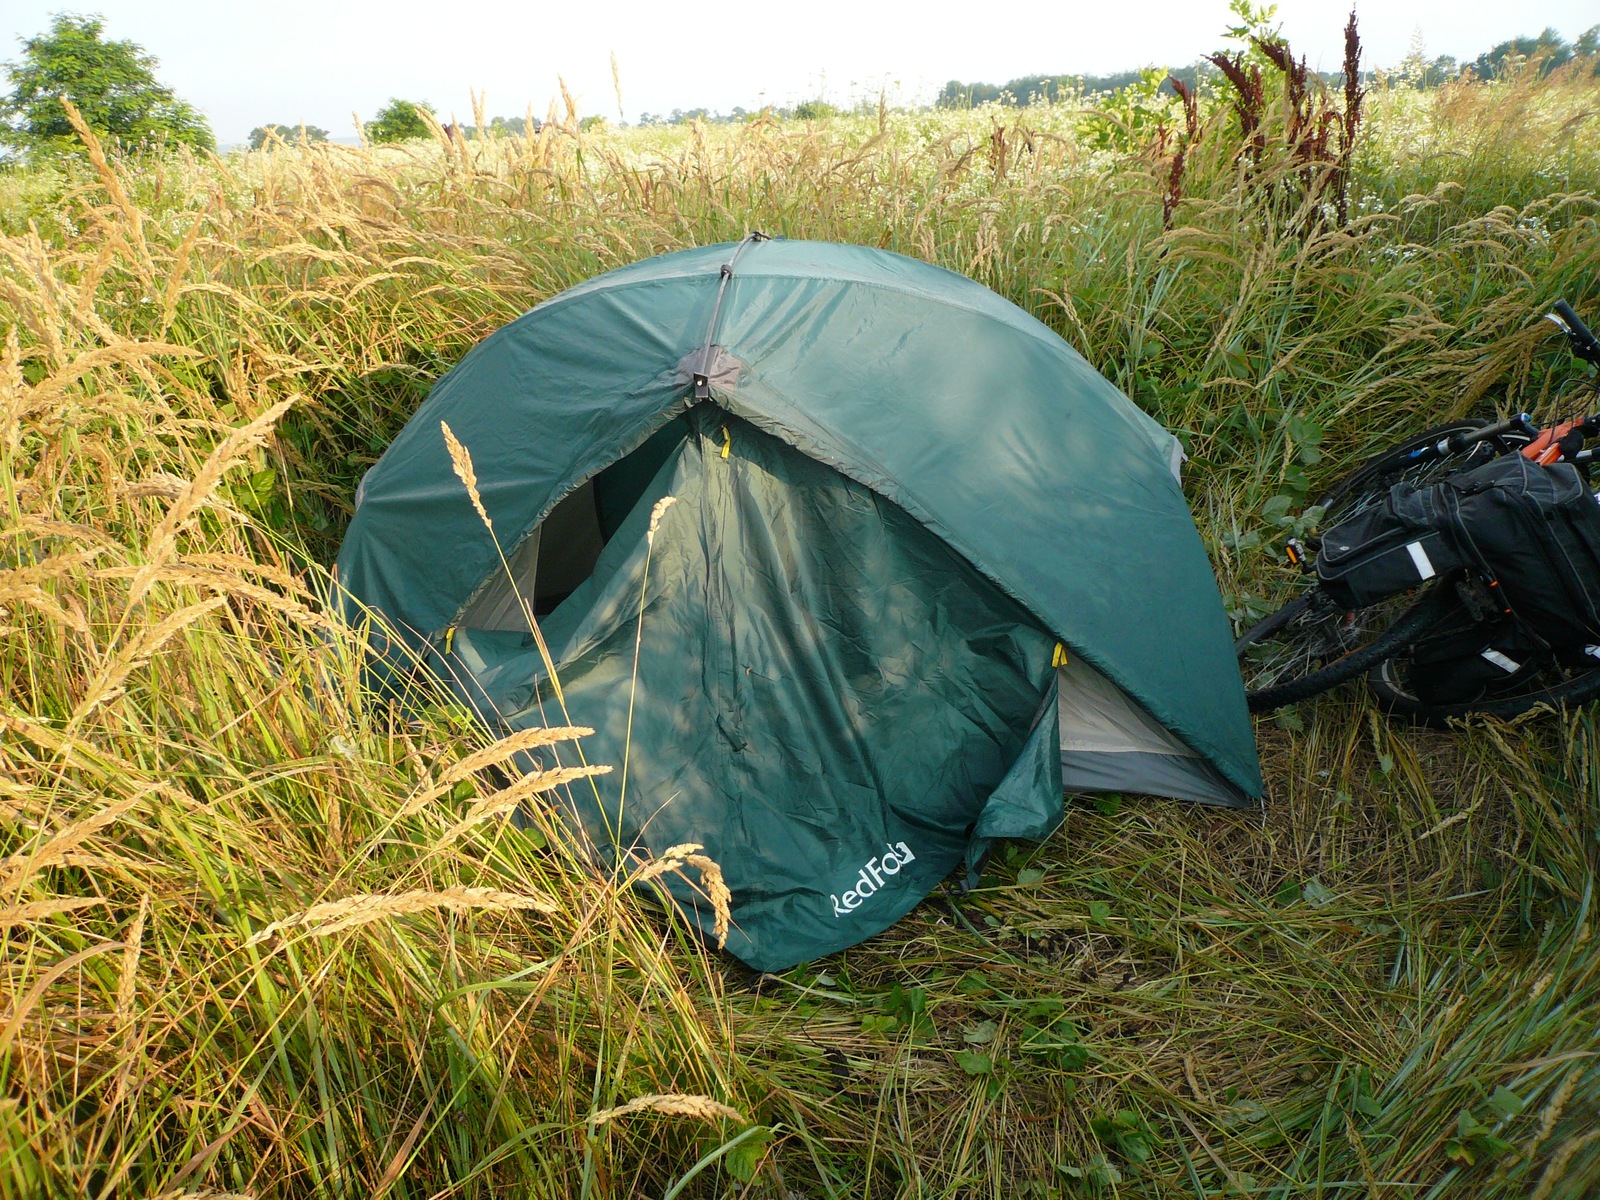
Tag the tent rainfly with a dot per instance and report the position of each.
(855, 564)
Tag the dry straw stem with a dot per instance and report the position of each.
(108, 684)
(676, 858)
(164, 539)
(499, 803)
(336, 915)
(507, 747)
(111, 772)
(63, 847)
(19, 1015)
(462, 462)
(672, 1104)
(38, 910)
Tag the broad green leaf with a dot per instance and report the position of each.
(1317, 894)
(974, 1063)
(745, 1159)
(974, 983)
(1506, 1102)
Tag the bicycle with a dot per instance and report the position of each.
(1403, 639)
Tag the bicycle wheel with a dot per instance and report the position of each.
(1369, 482)
(1552, 685)
(1311, 644)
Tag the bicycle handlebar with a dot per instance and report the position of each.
(1584, 343)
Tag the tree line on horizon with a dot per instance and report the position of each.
(1549, 50)
(113, 86)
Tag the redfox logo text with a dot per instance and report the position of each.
(871, 878)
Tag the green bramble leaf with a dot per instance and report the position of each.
(745, 1159)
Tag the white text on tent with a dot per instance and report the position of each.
(871, 878)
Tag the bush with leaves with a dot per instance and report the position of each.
(287, 133)
(400, 121)
(113, 84)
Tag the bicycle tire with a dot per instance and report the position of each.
(1420, 615)
(1382, 471)
(1386, 681)
(1337, 645)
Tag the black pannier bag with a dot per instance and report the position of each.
(1537, 531)
(1534, 530)
(1387, 549)
(1457, 663)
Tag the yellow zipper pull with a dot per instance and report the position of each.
(727, 442)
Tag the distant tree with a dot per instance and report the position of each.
(510, 126)
(814, 110)
(1549, 50)
(113, 84)
(400, 121)
(956, 94)
(1441, 70)
(1587, 48)
(1046, 89)
(289, 133)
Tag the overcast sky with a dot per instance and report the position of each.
(245, 62)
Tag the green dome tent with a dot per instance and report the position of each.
(856, 565)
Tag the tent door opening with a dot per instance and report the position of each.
(560, 553)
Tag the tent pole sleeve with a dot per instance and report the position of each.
(702, 377)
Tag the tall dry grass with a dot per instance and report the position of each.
(262, 938)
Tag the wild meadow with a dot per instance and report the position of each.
(260, 937)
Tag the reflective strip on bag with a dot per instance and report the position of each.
(1419, 556)
(1509, 665)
